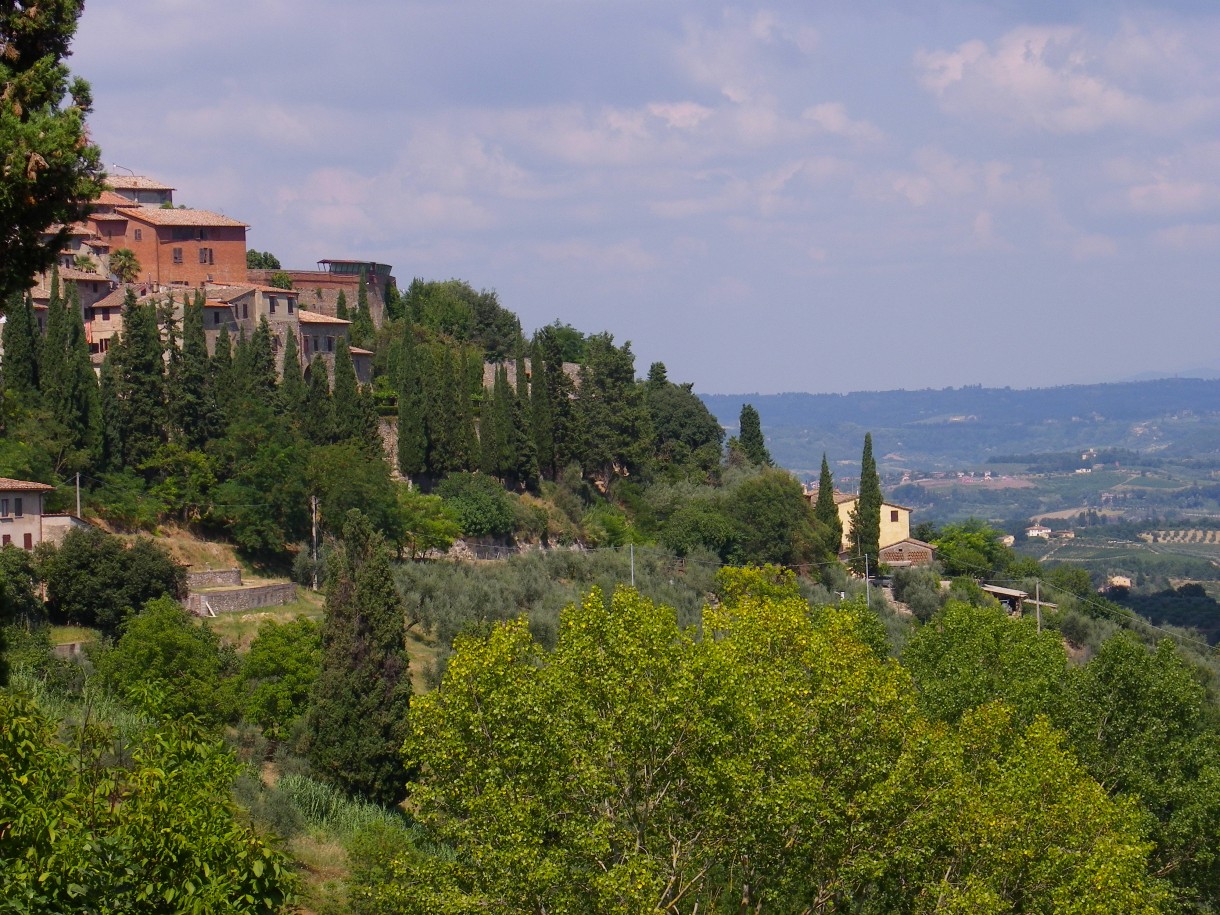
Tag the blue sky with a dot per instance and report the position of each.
(767, 197)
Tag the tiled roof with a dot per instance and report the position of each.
(312, 317)
(164, 216)
(226, 294)
(357, 351)
(110, 198)
(7, 485)
(273, 290)
(136, 183)
(110, 217)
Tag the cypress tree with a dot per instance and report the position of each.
(541, 414)
(261, 381)
(341, 306)
(358, 716)
(193, 400)
(112, 420)
(348, 423)
(750, 437)
(525, 453)
(443, 397)
(222, 372)
(412, 438)
(318, 421)
(827, 512)
(21, 344)
(69, 386)
(140, 381)
(866, 516)
(293, 393)
(362, 330)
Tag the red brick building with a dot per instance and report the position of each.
(177, 247)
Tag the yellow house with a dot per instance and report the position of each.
(895, 519)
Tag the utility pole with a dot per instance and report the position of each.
(313, 520)
(78, 493)
(631, 547)
(1038, 602)
(868, 594)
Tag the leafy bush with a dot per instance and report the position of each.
(481, 505)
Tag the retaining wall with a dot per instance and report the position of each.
(213, 578)
(234, 601)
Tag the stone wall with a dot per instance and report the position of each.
(239, 599)
(213, 578)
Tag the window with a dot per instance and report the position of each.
(4, 508)
(17, 509)
(245, 310)
(216, 319)
(105, 314)
(894, 516)
(205, 256)
(330, 344)
(271, 304)
(6, 541)
(290, 305)
(88, 314)
(139, 235)
(177, 255)
(29, 541)
(316, 348)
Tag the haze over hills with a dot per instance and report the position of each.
(963, 427)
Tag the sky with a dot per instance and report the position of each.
(767, 197)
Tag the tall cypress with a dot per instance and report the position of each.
(866, 516)
(318, 420)
(348, 423)
(222, 372)
(341, 306)
(140, 382)
(292, 382)
(750, 437)
(193, 399)
(21, 344)
(412, 438)
(358, 717)
(524, 452)
(826, 511)
(541, 415)
(112, 418)
(362, 330)
(261, 381)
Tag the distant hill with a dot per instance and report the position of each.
(963, 427)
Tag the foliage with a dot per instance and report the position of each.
(19, 604)
(155, 832)
(51, 170)
(865, 518)
(968, 656)
(479, 503)
(94, 580)
(261, 260)
(919, 588)
(357, 718)
(826, 510)
(125, 265)
(346, 477)
(688, 439)
(615, 430)
(169, 666)
(972, 548)
(278, 673)
(750, 437)
(429, 523)
(773, 521)
(779, 766)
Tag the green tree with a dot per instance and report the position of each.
(21, 347)
(1143, 726)
(169, 666)
(773, 521)
(51, 170)
(428, 522)
(412, 434)
(19, 603)
(865, 517)
(826, 510)
(69, 384)
(614, 428)
(293, 393)
(152, 830)
(193, 396)
(750, 437)
(688, 438)
(341, 306)
(479, 503)
(780, 766)
(125, 265)
(358, 717)
(278, 674)
(346, 476)
(362, 330)
(968, 656)
(972, 548)
(318, 421)
(139, 366)
(93, 579)
(261, 260)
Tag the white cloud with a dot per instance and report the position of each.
(1189, 237)
(1063, 79)
(832, 118)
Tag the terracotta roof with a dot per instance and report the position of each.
(164, 216)
(226, 294)
(312, 317)
(77, 228)
(274, 290)
(110, 198)
(7, 485)
(136, 183)
(357, 351)
(110, 217)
